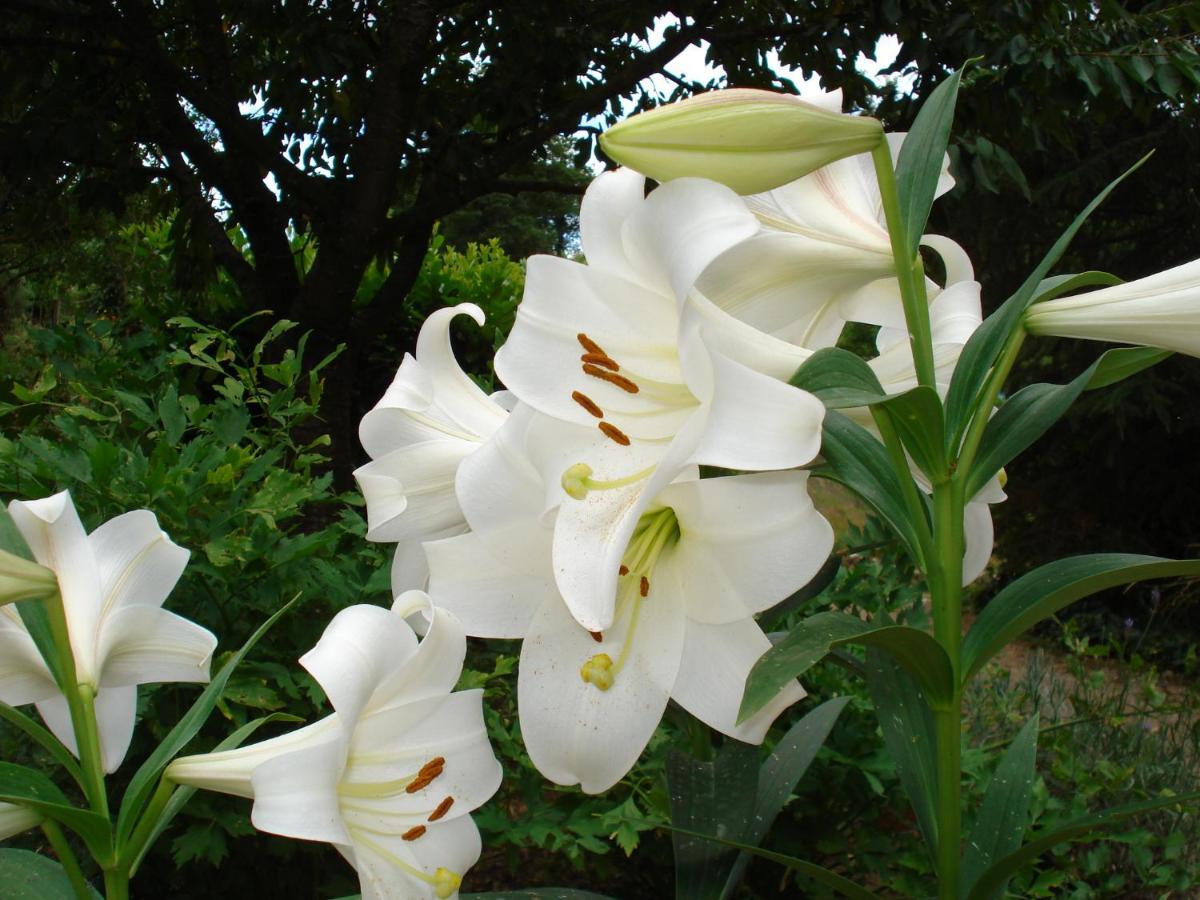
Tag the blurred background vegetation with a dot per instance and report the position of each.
(221, 225)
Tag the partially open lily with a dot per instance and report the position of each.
(390, 777)
(112, 583)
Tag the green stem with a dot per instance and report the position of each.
(116, 884)
(987, 401)
(908, 487)
(66, 856)
(147, 826)
(909, 270)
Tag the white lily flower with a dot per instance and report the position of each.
(430, 418)
(603, 345)
(1161, 310)
(390, 776)
(15, 819)
(113, 583)
(705, 555)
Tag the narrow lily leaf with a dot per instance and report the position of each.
(36, 620)
(908, 733)
(30, 876)
(985, 344)
(811, 871)
(809, 642)
(860, 462)
(917, 418)
(782, 771)
(1004, 815)
(921, 155)
(1039, 594)
(141, 786)
(839, 379)
(994, 879)
(183, 793)
(1057, 285)
(715, 797)
(34, 790)
(1030, 412)
(48, 741)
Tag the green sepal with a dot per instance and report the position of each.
(813, 638)
(1039, 594)
(994, 879)
(1004, 815)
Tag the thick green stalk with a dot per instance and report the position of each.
(987, 401)
(909, 270)
(66, 856)
(145, 829)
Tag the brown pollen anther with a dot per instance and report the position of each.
(644, 587)
(589, 345)
(421, 781)
(587, 403)
(614, 432)
(611, 377)
(441, 809)
(599, 359)
(438, 762)
(624, 570)
(597, 636)
(413, 833)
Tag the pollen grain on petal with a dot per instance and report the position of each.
(599, 359)
(587, 403)
(441, 809)
(589, 345)
(644, 587)
(613, 432)
(413, 833)
(611, 377)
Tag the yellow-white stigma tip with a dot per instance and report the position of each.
(445, 882)
(575, 480)
(597, 671)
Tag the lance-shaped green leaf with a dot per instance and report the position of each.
(32, 789)
(808, 643)
(1030, 412)
(860, 462)
(920, 162)
(48, 741)
(1004, 816)
(981, 351)
(30, 876)
(1056, 285)
(839, 379)
(1039, 594)
(710, 798)
(781, 772)
(917, 417)
(909, 735)
(994, 879)
(142, 784)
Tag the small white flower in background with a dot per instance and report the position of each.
(750, 140)
(113, 583)
(1160, 310)
(15, 819)
(430, 418)
(390, 776)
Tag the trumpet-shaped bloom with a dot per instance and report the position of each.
(430, 418)
(1161, 310)
(704, 556)
(750, 140)
(112, 583)
(390, 776)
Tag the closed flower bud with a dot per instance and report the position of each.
(21, 579)
(749, 140)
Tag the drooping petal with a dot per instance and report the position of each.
(144, 644)
(978, 538)
(116, 713)
(574, 732)
(52, 529)
(434, 667)
(360, 647)
(295, 793)
(24, 677)
(458, 397)
(751, 541)
(138, 564)
(712, 676)
(410, 491)
(609, 201)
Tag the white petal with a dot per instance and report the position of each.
(14, 819)
(610, 199)
(24, 677)
(493, 596)
(295, 793)
(138, 564)
(498, 482)
(460, 398)
(434, 668)
(977, 537)
(453, 845)
(954, 258)
(116, 712)
(360, 647)
(712, 677)
(143, 644)
(748, 542)
(52, 529)
(574, 732)
(410, 491)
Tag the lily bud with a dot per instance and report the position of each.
(749, 140)
(22, 579)
(14, 819)
(1160, 310)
